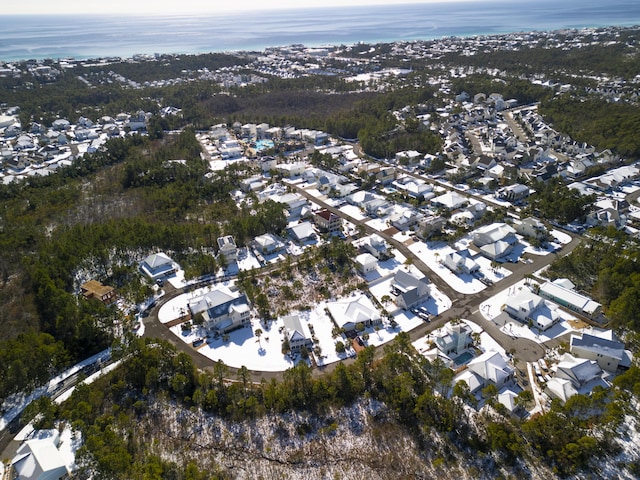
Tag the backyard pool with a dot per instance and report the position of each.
(263, 145)
(463, 358)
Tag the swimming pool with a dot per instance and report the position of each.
(263, 145)
(463, 358)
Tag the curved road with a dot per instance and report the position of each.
(463, 306)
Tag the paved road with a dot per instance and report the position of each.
(464, 306)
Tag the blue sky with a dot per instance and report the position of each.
(124, 7)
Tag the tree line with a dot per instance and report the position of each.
(417, 393)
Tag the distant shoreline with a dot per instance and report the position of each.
(84, 37)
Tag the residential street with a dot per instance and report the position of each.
(464, 306)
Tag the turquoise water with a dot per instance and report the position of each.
(263, 145)
(463, 358)
(90, 36)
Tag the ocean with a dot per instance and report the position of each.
(85, 36)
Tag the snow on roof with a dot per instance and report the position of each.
(296, 329)
(303, 231)
(561, 388)
(598, 345)
(490, 366)
(508, 399)
(569, 296)
(157, 260)
(40, 457)
(353, 310)
(579, 371)
(450, 200)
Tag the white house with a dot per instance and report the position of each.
(450, 200)
(492, 368)
(43, 457)
(291, 170)
(349, 312)
(497, 250)
(267, 244)
(302, 232)
(267, 164)
(574, 375)
(513, 193)
(460, 262)
(223, 310)
(493, 233)
(405, 218)
(297, 333)
(158, 266)
(376, 246)
(454, 339)
(365, 263)
(527, 307)
(532, 228)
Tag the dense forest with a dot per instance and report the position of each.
(604, 124)
(111, 413)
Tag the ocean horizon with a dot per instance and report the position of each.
(95, 36)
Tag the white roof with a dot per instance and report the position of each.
(570, 296)
(157, 260)
(561, 388)
(450, 200)
(365, 259)
(508, 399)
(296, 329)
(40, 458)
(353, 310)
(490, 366)
(303, 230)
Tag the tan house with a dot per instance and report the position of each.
(95, 289)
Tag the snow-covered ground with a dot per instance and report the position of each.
(463, 283)
(436, 304)
(243, 347)
(352, 211)
(493, 307)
